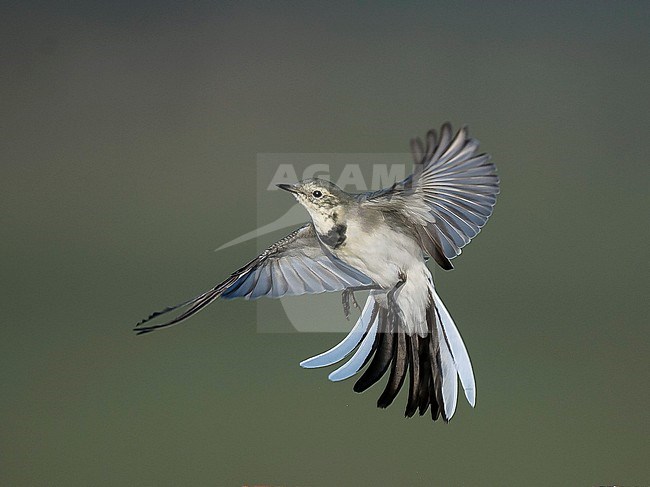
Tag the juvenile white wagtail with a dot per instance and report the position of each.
(380, 241)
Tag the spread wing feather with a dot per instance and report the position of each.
(294, 265)
(456, 185)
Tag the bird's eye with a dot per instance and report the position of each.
(317, 194)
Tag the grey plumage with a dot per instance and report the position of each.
(294, 265)
(379, 241)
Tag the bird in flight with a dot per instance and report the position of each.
(380, 242)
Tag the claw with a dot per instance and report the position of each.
(345, 298)
(402, 280)
(392, 303)
(349, 292)
(354, 301)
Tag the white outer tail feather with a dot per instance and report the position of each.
(352, 366)
(460, 357)
(345, 346)
(453, 354)
(449, 376)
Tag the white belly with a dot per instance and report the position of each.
(384, 255)
(381, 254)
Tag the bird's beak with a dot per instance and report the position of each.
(288, 187)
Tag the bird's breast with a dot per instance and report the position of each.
(335, 236)
(379, 251)
(330, 227)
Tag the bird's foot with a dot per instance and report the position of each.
(345, 297)
(393, 309)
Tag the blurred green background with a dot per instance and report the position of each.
(129, 137)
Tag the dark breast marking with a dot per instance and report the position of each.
(335, 237)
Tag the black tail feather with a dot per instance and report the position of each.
(397, 371)
(435, 360)
(402, 352)
(382, 357)
(433, 400)
(425, 382)
(414, 374)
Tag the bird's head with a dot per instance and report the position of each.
(322, 199)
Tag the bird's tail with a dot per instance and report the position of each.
(433, 361)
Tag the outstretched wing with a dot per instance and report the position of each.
(454, 184)
(294, 265)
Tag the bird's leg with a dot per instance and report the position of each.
(354, 300)
(349, 292)
(345, 297)
(390, 297)
(398, 285)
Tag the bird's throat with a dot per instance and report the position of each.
(335, 237)
(331, 230)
